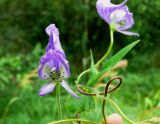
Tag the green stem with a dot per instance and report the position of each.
(71, 120)
(119, 111)
(79, 77)
(58, 101)
(100, 61)
(109, 49)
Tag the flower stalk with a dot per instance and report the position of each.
(58, 101)
(109, 49)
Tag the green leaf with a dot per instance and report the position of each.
(112, 61)
(118, 56)
(93, 70)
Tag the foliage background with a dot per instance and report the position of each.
(23, 39)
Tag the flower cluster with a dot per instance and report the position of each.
(117, 16)
(53, 65)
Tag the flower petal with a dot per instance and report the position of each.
(43, 68)
(47, 62)
(50, 59)
(47, 88)
(54, 41)
(108, 4)
(64, 65)
(101, 6)
(50, 44)
(52, 29)
(117, 15)
(43, 71)
(65, 68)
(124, 22)
(65, 85)
(105, 8)
(128, 33)
(129, 18)
(53, 59)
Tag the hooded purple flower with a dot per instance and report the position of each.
(117, 16)
(53, 65)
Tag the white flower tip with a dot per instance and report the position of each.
(52, 29)
(41, 94)
(77, 97)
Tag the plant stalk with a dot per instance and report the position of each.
(58, 101)
(109, 49)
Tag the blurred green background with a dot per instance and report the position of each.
(23, 40)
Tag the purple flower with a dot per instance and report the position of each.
(53, 65)
(117, 16)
